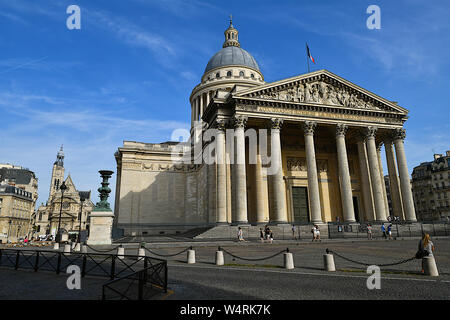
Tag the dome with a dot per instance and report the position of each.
(232, 55)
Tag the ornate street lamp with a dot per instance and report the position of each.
(63, 188)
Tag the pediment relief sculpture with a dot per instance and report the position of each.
(321, 92)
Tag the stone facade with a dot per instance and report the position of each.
(17, 201)
(431, 188)
(46, 220)
(16, 206)
(325, 136)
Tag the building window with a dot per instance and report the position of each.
(241, 73)
(217, 75)
(252, 76)
(229, 74)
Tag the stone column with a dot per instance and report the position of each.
(221, 173)
(276, 169)
(383, 184)
(365, 180)
(192, 111)
(313, 183)
(396, 199)
(240, 183)
(229, 194)
(261, 198)
(344, 174)
(200, 107)
(208, 99)
(405, 184)
(377, 188)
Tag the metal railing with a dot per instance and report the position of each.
(399, 229)
(140, 285)
(91, 264)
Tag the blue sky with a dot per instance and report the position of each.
(128, 73)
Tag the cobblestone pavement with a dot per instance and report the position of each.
(241, 279)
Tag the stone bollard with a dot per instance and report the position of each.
(328, 262)
(67, 248)
(191, 256)
(121, 252)
(56, 246)
(77, 247)
(219, 258)
(288, 260)
(84, 248)
(429, 266)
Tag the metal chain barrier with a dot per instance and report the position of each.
(96, 250)
(168, 255)
(369, 264)
(254, 259)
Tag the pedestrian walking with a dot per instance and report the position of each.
(313, 231)
(389, 231)
(271, 237)
(240, 234)
(383, 229)
(293, 233)
(317, 232)
(369, 232)
(261, 235)
(267, 232)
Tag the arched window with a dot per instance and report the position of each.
(229, 74)
(218, 75)
(241, 73)
(252, 76)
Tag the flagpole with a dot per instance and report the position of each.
(307, 58)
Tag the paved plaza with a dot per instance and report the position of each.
(264, 279)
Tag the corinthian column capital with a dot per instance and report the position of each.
(309, 127)
(370, 132)
(341, 130)
(220, 124)
(398, 134)
(240, 121)
(276, 123)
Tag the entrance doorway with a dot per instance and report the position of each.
(300, 204)
(356, 208)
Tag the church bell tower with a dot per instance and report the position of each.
(57, 173)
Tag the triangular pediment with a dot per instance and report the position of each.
(321, 87)
(71, 187)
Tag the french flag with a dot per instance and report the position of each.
(309, 54)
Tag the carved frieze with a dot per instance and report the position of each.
(299, 164)
(296, 164)
(322, 92)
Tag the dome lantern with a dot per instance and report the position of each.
(231, 36)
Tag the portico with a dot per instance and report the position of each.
(302, 150)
